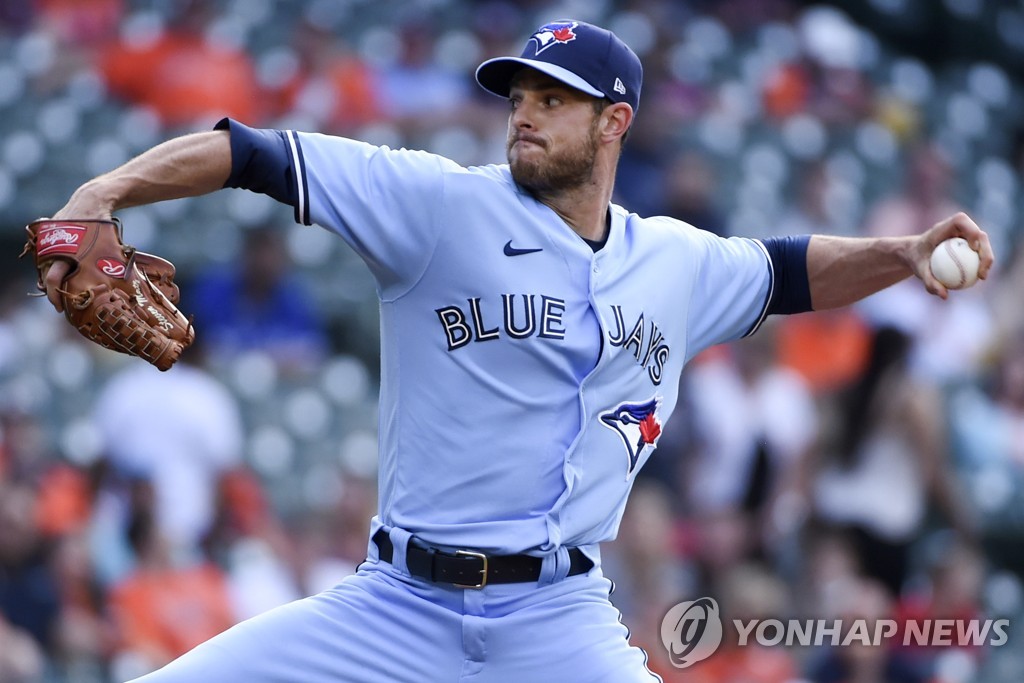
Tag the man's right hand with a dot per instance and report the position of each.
(81, 205)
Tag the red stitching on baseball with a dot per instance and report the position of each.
(959, 266)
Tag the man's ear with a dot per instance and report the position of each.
(616, 120)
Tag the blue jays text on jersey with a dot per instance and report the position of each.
(525, 377)
(521, 317)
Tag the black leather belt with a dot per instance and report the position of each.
(470, 569)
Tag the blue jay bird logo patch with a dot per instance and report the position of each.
(554, 34)
(638, 426)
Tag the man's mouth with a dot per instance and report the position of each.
(528, 139)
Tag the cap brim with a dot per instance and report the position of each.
(495, 75)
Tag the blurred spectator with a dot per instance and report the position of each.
(248, 541)
(165, 607)
(417, 91)
(988, 421)
(888, 460)
(259, 303)
(649, 574)
(840, 93)
(951, 337)
(83, 637)
(15, 17)
(21, 658)
(332, 84)
(66, 36)
(925, 199)
(953, 589)
(180, 74)
(690, 192)
(747, 592)
(827, 81)
(178, 430)
(65, 501)
(829, 349)
(80, 22)
(830, 566)
(1009, 322)
(754, 420)
(640, 182)
(29, 595)
(787, 90)
(26, 451)
(331, 544)
(860, 662)
(47, 589)
(743, 16)
(987, 432)
(815, 210)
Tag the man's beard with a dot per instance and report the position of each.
(558, 172)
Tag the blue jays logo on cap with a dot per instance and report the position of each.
(638, 426)
(559, 32)
(586, 57)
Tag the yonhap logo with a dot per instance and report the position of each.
(691, 631)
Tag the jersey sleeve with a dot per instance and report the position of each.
(733, 289)
(384, 203)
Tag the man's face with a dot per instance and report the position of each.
(552, 134)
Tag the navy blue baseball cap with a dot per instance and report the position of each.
(581, 55)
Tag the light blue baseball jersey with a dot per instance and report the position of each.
(525, 378)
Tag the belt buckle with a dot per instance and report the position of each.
(483, 572)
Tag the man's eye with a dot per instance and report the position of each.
(552, 101)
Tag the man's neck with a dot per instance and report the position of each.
(583, 208)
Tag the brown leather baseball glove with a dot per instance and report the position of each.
(118, 297)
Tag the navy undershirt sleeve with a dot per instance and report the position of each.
(261, 161)
(792, 291)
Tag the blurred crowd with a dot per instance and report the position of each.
(861, 462)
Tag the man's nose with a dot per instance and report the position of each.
(521, 116)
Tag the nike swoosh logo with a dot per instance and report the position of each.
(512, 251)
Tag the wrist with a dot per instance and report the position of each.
(916, 252)
(95, 199)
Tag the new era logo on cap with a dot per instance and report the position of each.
(581, 55)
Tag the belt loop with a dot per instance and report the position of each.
(400, 540)
(555, 567)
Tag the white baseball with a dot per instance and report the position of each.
(955, 264)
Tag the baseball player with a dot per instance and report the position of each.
(532, 337)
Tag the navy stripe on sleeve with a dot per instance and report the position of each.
(791, 292)
(268, 162)
(771, 290)
(301, 184)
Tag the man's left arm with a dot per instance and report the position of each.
(843, 270)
